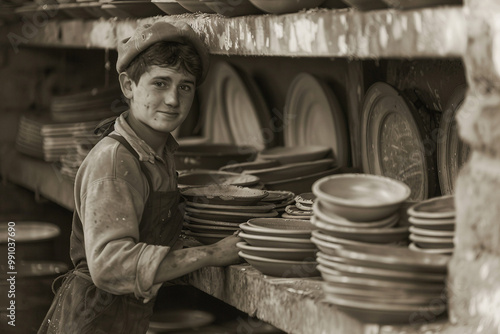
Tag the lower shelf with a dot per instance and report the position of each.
(39, 176)
(294, 305)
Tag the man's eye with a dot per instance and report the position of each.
(185, 88)
(159, 84)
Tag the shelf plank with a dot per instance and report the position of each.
(430, 32)
(295, 305)
(43, 178)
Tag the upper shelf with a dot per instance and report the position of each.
(425, 33)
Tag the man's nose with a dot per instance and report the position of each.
(172, 97)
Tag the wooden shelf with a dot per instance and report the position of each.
(295, 305)
(41, 177)
(431, 32)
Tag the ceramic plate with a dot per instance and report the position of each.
(175, 320)
(433, 224)
(245, 109)
(258, 207)
(344, 222)
(285, 233)
(391, 127)
(434, 208)
(294, 211)
(203, 178)
(228, 215)
(277, 242)
(252, 165)
(431, 233)
(281, 224)
(326, 247)
(289, 216)
(386, 313)
(397, 258)
(315, 117)
(452, 151)
(296, 154)
(291, 254)
(224, 195)
(199, 221)
(304, 207)
(210, 229)
(379, 273)
(361, 283)
(371, 235)
(306, 198)
(431, 242)
(292, 170)
(281, 268)
(301, 184)
(320, 235)
(278, 196)
(443, 251)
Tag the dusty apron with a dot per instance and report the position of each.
(79, 307)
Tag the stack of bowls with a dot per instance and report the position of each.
(214, 212)
(384, 284)
(298, 167)
(359, 209)
(280, 198)
(279, 247)
(302, 208)
(433, 225)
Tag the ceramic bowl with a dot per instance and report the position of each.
(285, 6)
(281, 268)
(170, 7)
(434, 208)
(361, 197)
(232, 8)
(291, 228)
(212, 156)
(292, 254)
(288, 155)
(224, 194)
(210, 229)
(199, 178)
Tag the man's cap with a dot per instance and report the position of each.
(149, 34)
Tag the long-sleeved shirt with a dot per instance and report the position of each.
(110, 194)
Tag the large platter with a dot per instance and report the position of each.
(314, 117)
(393, 141)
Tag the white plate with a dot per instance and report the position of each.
(314, 117)
(258, 207)
(344, 222)
(282, 268)
(291, 254)
(371, 235)
(431, 233)
(277, 242)
(379, 273)
(434, 208)
(228, 215)
(190, 219)
(290, 233)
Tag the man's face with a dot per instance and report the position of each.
(162, 98)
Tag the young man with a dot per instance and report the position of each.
(124, 242)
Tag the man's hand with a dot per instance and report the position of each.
(224, 252)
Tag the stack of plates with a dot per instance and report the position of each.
(215, 212)
(42, 137)
(358, 208)
(384, 284)
(84, 106)
(433, 225)
(303, 207)
(299, 167)
(280, 198)
(279, 247)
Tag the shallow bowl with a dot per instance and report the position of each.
(281, 268)
(361, 197)
(212, 156)
(224, 194)
(288, 155)
(205, 178)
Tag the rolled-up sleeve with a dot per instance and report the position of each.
(111, 210)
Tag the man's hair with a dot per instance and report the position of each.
(166, 54)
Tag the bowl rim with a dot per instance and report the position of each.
(316, 189)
